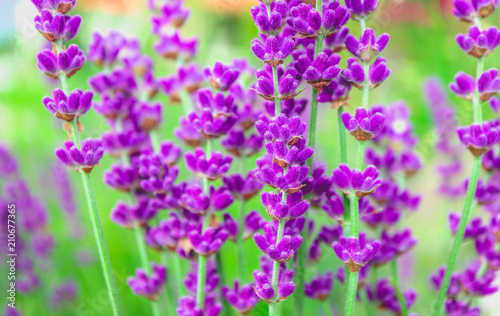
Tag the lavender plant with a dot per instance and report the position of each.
(61, 63)
(480, 137)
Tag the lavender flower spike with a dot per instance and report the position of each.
(213, 168)
(321, 71)
(360, 9)
(364, 125)
(242, 298)
(274, 51)
(68, 61)
(357, 182)
(479, 43)
(468, 10)
(57, 26)
(479, 138)
(368, 46)
(305, 20)
(149, 287)
(320, 287)
(355, 252)
(464, 86)
(84, 159)
(68, 107)
(488, 84)
(221, 77)
(61, 6)
(355, 74)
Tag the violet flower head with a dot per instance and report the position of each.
(149, 287)
(281, 251)
(486, 192)
(242, 188)
(468, 10)
(172, 14)
(394, 245)
(61, 6)
(355, 252)
(473, 230)
(368, 45)
(495, 104)
(475, 284)
(270, 25)
(479, 138)
(355, 181)
(320, 72)
(221, 77)
(194, 200)
(280, 210)
(213, 168)
(388, 298)
(189, 134)
(68, 107)
(305, 20)
(105, 50)
(274, 51)
(336, 93)
(263, 286)
(157, 176)
(454, 288)
(242, 298)
(55, 27)
(169, 152)
(147, 116)
(8, 164)
(84, 159)
(488, 84)
(287, 83)
(361, 8)
(336, 42)
(355, 74)
(174, 47)
(129, 216)
(121, 178)
(218, 114)
(187, 307)
(320, 287)
(68, 61)
(188, 78)
(364, 125)
(335, 16)
(490, 161)
(454, 307)
(209, 241)
(479, 43)
(410, 163)
(238, 144)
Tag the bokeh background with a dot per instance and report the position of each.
(422, 46)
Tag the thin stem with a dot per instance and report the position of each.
(366, 300)
(362, 24)
(101, 244)
(276, 267)
(365, 92)
(459, 236)
(202, 260)
(187, 103)
(342, 139)
(351, 293)
(154, 135)
(327, 308)
(164, 261)
(360, 155)
(354, 215)
(277, 100)
(478, 118)
(178, 275)
(240, 240)
(396, 283)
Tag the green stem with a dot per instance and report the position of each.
(459, 236)
(154, 135)
(101, 244)
(351, 293)
(166, 296)
(354, 215)
(478, 118)
(202, 260)
(360, 155)
(342, 140)
(366, 300)
(240, 241)
(277, 100)
(365, 92)
(187, 103)
(276, 265)
(396, 283)
(362, 24)
(327, 308)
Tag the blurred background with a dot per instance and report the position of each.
(422, 46)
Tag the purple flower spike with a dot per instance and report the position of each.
(361, 8)
(368, 45)
(357, 182)
(337, 93)
(172, 14)
(490, 162)
(320, 72)
(148, 116)
(355, 74)
(68, 61)
(218, 114)
(57, 26)
(473, 230)
(468, 10)
(355, 252)
(454, 307)
(364, 125)
(213, 168)
(188, 134)
(488, 84)
(61, 6)
(454, 288)
(84, 159)
(397, 244)
(464, 86)
(281, 251)
(266, 24)
(242, 298)
(209, 242)
(335, 16)
(149, 287)
(388, 298)
(274, 51)
(242, 188)
(279, 210)
(221, 77)
(336, 42)
(187, 307)
(121, 178)
(287, 83)
(320, 287)
(305, 20)
(174, 47)
(479, 138)
(238, 144)
(263, 286)
(495, 104)
(476, 284)
(104, 50)
(479, 43)
(130, 216)
(194, 200)
(157, 176)
(68, 107)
